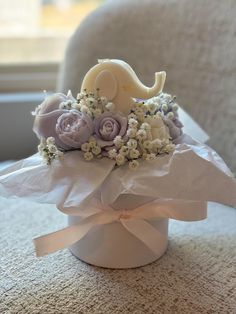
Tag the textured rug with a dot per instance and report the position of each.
(196, 275)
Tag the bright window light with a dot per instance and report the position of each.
(35, 31)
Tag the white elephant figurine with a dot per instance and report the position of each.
(117, 81)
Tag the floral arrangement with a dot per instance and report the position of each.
(90, 123)
(125, 132)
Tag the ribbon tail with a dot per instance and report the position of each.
(145, 232)
(58, 240)
(175, 209)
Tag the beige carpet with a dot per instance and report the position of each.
(196, 275)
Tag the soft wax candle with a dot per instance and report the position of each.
(117, 81)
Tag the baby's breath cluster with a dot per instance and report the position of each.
(147, 136)
(163, 103)
(89, 103)
(91, 149)
(48, 150)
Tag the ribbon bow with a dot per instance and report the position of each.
(135, 221)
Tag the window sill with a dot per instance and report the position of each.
(28, 77)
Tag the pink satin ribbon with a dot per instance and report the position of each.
(135, 221)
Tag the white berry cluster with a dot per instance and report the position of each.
(48, 150)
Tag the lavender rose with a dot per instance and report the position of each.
(74, 128)
(108, 126)
(175, 127)
(46, 117)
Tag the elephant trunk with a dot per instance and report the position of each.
(141, 91)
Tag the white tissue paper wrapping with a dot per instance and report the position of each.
(193, 171)
(178, 185)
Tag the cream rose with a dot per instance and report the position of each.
(158, 129)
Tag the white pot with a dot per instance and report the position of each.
(112, 246)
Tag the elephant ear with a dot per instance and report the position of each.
(107, 84)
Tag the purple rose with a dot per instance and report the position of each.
(175, 127)
(74, 128)
(47, 115)
(108, 126)
(46, 118)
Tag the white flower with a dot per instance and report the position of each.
(164, 107)
(92, 141)
(118, 141)
(41, 148)
(168, 148)
(120, 160)
(96, 150)
(133, 165)
(97, 112)
(52, 148)
(132, 115)
(131, 132)
(175, 107)
(132, 143)
(112, 153)
(170, 115)
(50, 140)
(147, 145)
(80, 96)
(146, 126)
(134, 153)
(85, 147)
(133, 123)
(92, 144)
(158, 129)
(157, 144)
(166, 97)
(85, 110)
(110, 106)
(152, 107)
(88, 156)
(141, 135)
(150, 157)
(124, 150)
(90, 101)
(83, 103)
(138, 111)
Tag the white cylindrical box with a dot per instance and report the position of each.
(112, 246)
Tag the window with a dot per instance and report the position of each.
(33, 37)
